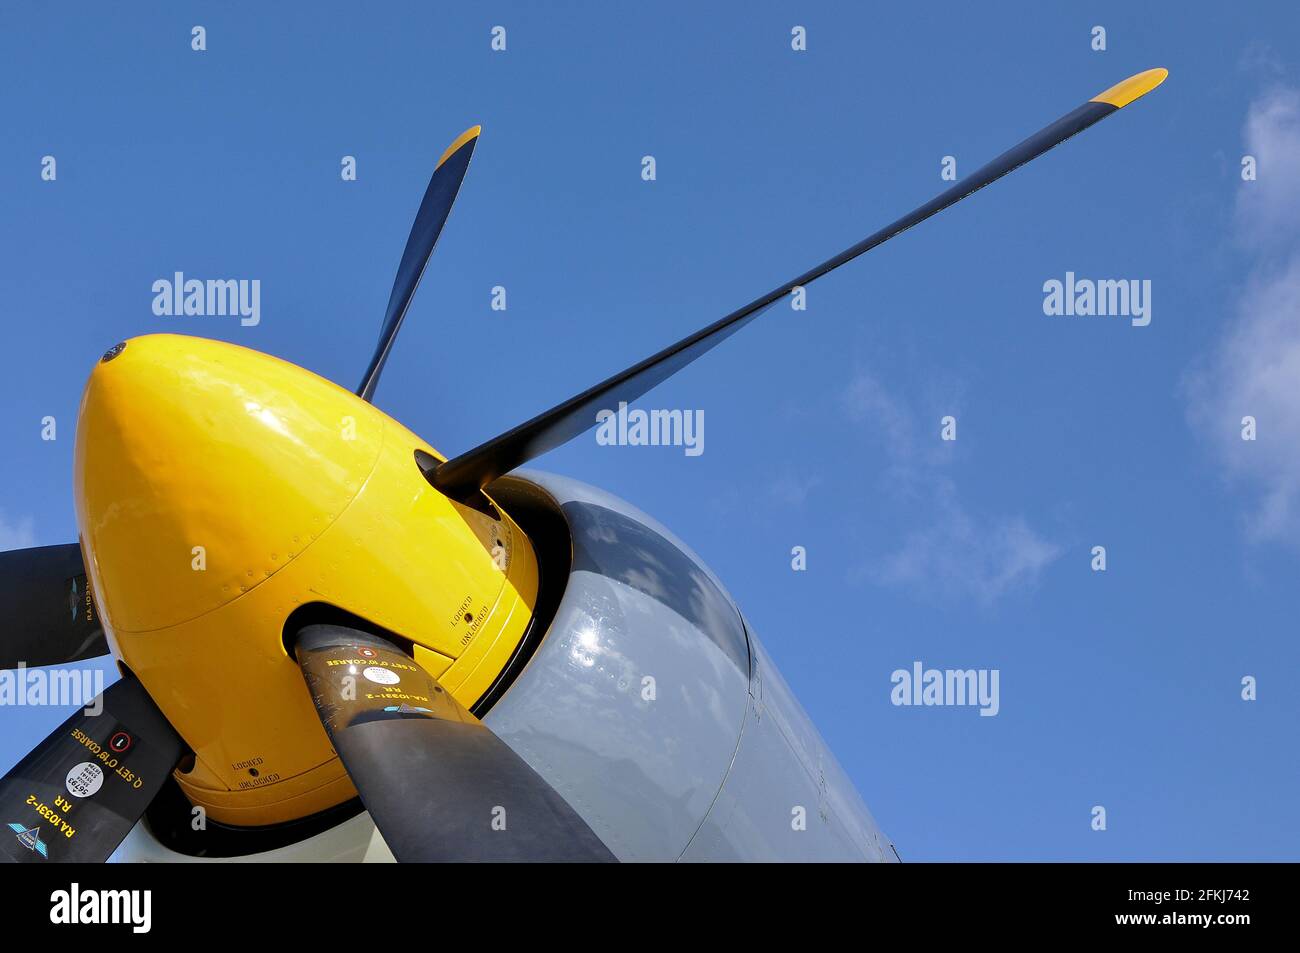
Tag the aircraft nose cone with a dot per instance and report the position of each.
(202, 468)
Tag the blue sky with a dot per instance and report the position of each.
(1119, 689)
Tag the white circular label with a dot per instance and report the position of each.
(85, 779)
(381, 676)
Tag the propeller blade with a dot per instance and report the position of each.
(434, 209)
(462, 477)
(438, 783)
(46, 608)
(81, 790)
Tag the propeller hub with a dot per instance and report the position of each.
(221, 492)
(202, 469)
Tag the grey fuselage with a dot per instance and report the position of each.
(653, 708)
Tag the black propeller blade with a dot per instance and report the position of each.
(81, 790)
(47, 615)
(438, 783)
(462, 477)
(434, 209)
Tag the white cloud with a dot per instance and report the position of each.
(792, 489)
(1262, 60)
(981, 558)
(1255, 368)
(1266, 208)
(984, 557)
(19, 535)
(865, 399)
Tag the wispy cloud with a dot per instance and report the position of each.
(1255, 368)
(16, 535)
(1262, 60)
(976, 555)
(1266, 208)
(984, 560)
(793, 489)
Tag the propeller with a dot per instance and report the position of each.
(462, 477)
(48, 612)
(432, 215)
(78, 793)
(438, 783)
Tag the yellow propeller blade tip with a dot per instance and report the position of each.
(1121, 94)
(470, 133)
